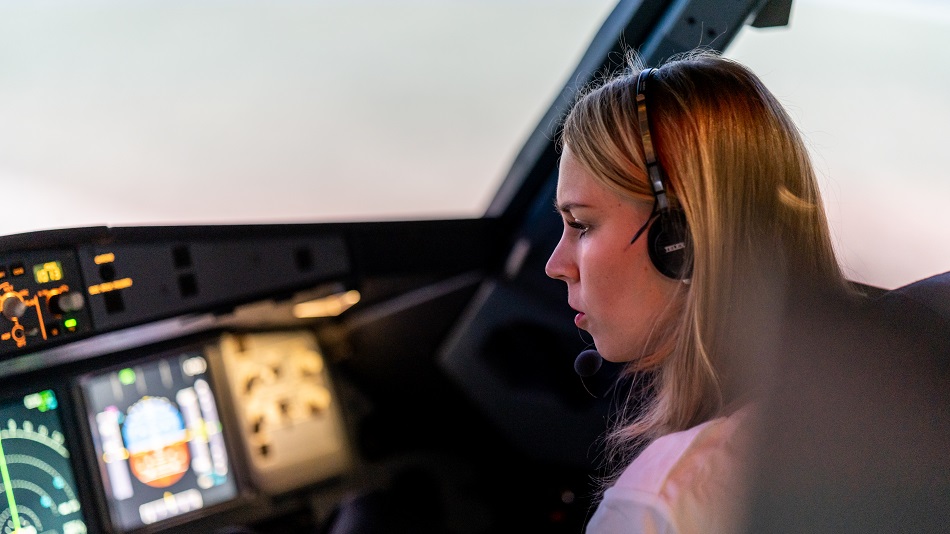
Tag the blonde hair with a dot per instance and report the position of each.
(737, 166)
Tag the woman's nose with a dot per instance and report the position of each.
(557, 266)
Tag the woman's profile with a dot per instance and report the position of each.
(690, 209)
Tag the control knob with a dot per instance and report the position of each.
(13, 306)
(67, 302)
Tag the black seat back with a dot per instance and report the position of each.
(856, 427)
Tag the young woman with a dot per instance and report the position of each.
(691, 214)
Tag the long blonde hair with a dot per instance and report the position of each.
(737, 166)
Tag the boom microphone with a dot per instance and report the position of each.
(588, 363)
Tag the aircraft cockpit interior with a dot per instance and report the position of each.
(272, 352)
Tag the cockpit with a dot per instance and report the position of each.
(280, 267)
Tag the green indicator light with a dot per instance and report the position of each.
(69, 323)
(49, 400)
(127, 377)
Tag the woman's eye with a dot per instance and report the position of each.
(582, 228)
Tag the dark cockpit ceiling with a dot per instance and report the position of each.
(177, 379)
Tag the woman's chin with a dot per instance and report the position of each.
(613, 354)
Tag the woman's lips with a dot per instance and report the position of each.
(579, 318)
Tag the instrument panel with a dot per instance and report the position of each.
(150, 422)
(164, 439)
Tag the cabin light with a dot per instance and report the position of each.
(329, 306)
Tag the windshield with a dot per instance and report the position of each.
(868, 81)
(177, 112)
(182, 112)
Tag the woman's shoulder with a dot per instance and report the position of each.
(685, 482)
(683, 463)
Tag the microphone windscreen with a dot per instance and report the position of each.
(588, 362)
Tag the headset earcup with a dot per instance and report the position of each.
(668, 243)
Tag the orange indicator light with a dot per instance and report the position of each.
(105, 287)
(104, 258)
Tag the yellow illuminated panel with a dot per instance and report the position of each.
(50, 271)
(104, 258)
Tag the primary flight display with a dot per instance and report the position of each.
(158, 439)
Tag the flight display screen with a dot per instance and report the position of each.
(158, 439)
(38, 486)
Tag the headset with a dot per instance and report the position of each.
(668, 238)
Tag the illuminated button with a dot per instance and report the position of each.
(108, 257)
(50, 271)
(13, 307)
(126, 376)
(17, 269)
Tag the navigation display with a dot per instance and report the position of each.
(158, 439)
(38, 486)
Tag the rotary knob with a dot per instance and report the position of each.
(13, 307)
(67, 302)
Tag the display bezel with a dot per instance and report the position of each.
(145, 355)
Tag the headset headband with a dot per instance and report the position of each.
(654, 172)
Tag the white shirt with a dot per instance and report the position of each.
(685, 482)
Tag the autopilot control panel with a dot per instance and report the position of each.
(42, 298)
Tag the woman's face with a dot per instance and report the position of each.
(618, 294)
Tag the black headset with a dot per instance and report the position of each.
(668, 240)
